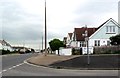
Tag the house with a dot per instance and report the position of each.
(68, 41)
(65, 40)
(78, 40)
(97, 36)
(5, 45)
(101, 36)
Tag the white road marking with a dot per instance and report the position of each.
(11, 68)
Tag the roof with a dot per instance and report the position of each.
(106, 22)
(3, 42)
(70, 35)
(80, 31)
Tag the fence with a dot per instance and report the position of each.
(107, 50)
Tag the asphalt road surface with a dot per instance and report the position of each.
(14, 65)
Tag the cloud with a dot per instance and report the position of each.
(10, 11)
(95, 12)
(17, 25)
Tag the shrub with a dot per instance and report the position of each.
(116, 52)
(5, 52)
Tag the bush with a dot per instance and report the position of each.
(7, 52)
(116, 52)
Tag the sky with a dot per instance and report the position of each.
(22, 21)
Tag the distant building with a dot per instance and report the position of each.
(5, 45)
(65, 40)
(119, 12)
(69, 37)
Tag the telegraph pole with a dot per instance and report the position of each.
(45, 32)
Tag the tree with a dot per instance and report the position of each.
(115, 40)
(55, 44)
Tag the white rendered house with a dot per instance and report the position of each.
(78, 40)
(69, 39)
(104, 32)
(5, 46)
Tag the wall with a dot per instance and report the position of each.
(102, 42)
(64, 51)
(84, 50)
(73, 44)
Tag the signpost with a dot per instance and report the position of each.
(87, 44)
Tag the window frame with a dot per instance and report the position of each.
(110, 29)
(97, 43)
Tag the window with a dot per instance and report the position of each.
(97, 43)
(110, 29)
(108, 43)
(82, 44)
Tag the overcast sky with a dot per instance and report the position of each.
(22, 21)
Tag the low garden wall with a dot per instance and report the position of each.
(107, 50)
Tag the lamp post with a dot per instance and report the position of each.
(87, 44)
(45, 32)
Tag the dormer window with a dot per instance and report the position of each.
(110, 29)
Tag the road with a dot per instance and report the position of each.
(14, 65)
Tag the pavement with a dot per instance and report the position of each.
(97, 62)
(49, 59)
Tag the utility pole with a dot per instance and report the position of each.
(45, 32)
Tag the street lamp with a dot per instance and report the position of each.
(87, 43)
(45, 32)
